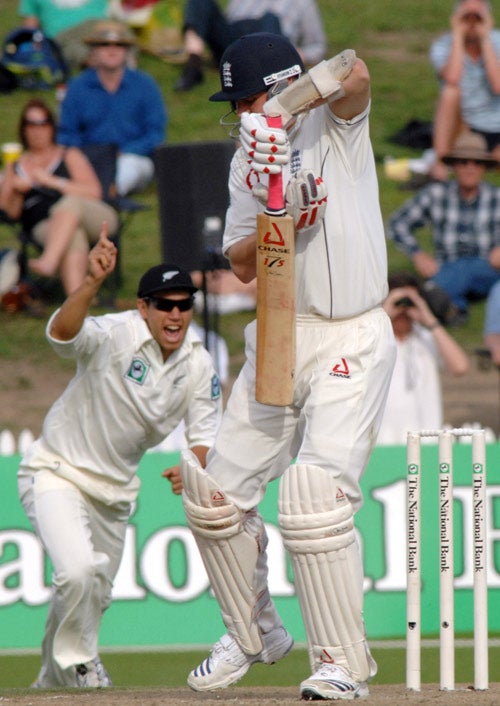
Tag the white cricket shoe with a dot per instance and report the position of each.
(92, 675)
(227, 663)
(86, 676)
(332, 682)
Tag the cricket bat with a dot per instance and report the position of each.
(275, 363)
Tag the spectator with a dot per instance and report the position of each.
(464, 215)
(56, 194)
(467, 61)
(65, 22)
(112, 103)
(423, 347)
(492, 324)
(205, 24)
(225, 293)
(139, 373)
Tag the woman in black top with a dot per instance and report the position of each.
(55, 193)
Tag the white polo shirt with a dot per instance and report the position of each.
(414, 401)
(123, 400)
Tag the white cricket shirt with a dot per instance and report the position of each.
(123, 400)
(341, 263)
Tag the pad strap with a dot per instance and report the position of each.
(229, 553)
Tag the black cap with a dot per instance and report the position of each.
(253, 63)
(165, 278)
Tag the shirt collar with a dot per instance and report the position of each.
(93, 78)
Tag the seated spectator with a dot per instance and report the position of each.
(424, 347)
(112, 103)
(492, 324)
(225, 293)
(205, 24)
(65, 22)
(464, 214)
(467, 62)
(54, 192)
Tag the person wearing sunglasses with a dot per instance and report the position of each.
(139, 373)
(467, 63)
(111, 103)
(425, 351)
(464, 215)
(55, 194)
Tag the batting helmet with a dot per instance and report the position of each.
(253, 63)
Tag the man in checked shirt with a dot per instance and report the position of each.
(464, 215)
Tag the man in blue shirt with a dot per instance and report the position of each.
(464, 215)
(111, 103)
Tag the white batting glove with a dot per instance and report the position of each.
(267, 147)
(306, 196)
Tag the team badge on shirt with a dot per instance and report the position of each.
(137, 371)
(215, 387)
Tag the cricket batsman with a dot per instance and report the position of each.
(344, 358)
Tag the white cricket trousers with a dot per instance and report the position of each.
(342, 376)
(84, 540)
(133, 172)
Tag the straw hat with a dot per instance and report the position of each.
(110, 31)
(470, 145)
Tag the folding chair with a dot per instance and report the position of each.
(103, 159)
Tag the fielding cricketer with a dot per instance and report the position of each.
(139, 373)
(344, 360)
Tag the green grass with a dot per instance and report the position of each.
(393, 37)
(170, 669)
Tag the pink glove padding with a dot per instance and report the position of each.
(306, 196)
(268, 148)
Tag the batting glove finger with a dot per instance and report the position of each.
(306, 197)
(261, 193)
(268, 149)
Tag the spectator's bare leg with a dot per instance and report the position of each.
(192, 73)
(73, 270)
(492, 342)
(495, 152)
(193, 43)
(62, 225)
(447, 125)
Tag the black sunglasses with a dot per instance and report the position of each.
(170, 304)
(111, 44)
(42, 121)
(463, 161)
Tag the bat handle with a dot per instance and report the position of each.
(275, 200)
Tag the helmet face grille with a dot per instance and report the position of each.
(253, 63)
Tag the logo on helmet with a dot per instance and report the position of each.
(227, 78)
(280, 75)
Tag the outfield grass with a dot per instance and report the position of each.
(170, 669)
(392, 37)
